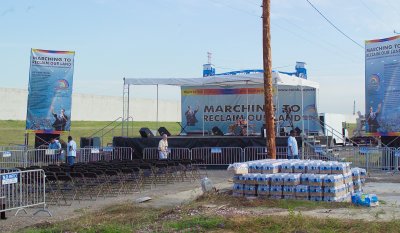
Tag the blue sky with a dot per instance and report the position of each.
(170, 38)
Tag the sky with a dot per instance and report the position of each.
(170, 38)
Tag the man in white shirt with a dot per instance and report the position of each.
(163, 147)
(293, 150)
(71, 151)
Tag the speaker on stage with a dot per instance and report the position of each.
(263, 131)
(90, 142)
(146, 133)
(216, 131)
(163, 130)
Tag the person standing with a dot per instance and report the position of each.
(71, 151)
(163, 147)
(56, 146)
(293, 150)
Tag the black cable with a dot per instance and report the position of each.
(372, 12)
(333, 25)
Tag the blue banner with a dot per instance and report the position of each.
(240, 110)
(382, 87)
(50, 91)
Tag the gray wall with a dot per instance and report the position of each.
(93, 107)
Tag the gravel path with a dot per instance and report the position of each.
(162, 195)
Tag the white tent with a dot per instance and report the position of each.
(218, 80)
(224, 80)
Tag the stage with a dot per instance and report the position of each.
(138, 143)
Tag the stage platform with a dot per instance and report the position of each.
(138, 144)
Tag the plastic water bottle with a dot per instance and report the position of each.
(374, 198)
(206, 185)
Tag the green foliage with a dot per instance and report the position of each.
(202, 222)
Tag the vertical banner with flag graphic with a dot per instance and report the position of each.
(50, 91)
(382, 87)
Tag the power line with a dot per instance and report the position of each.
(332, 47)
(372, 12)
(393, 7)
(237, 9)
(312, 42)
(333, 25)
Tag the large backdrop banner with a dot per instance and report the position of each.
(50, 91)
(205, 108)
(382, 86)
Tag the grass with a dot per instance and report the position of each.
(131, 218)
(197, 222)
(13, 132)
(226, 199)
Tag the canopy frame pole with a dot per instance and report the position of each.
(302, 106)
(127, 114)
(247, 108)
(125, 108)
(157, 110)
(203, 116)
(277, 106)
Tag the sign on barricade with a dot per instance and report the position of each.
(6, 154)
(23, 189)
(10, 178)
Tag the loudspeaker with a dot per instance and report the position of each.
(146, 133)
(216, 131)
(90, 142)
(44, 138)
(163, 130)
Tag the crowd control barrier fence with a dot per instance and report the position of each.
(22, 189)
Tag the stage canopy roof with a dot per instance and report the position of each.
(224, 80)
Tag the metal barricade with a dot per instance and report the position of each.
(179, 153)
(23, 189)
(150, 153)
(282, 152)
(217, 155)
(174, 153)
(13, 147)
(87, 155)
(255, 153)
(13, 158)
(375, 158)
(7, 170)
(121, 153)
(44, 157)
(90, 154)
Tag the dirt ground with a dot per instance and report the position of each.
(385, 185)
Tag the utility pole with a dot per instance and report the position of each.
(267, 58)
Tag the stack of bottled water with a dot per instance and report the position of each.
(314, 180)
